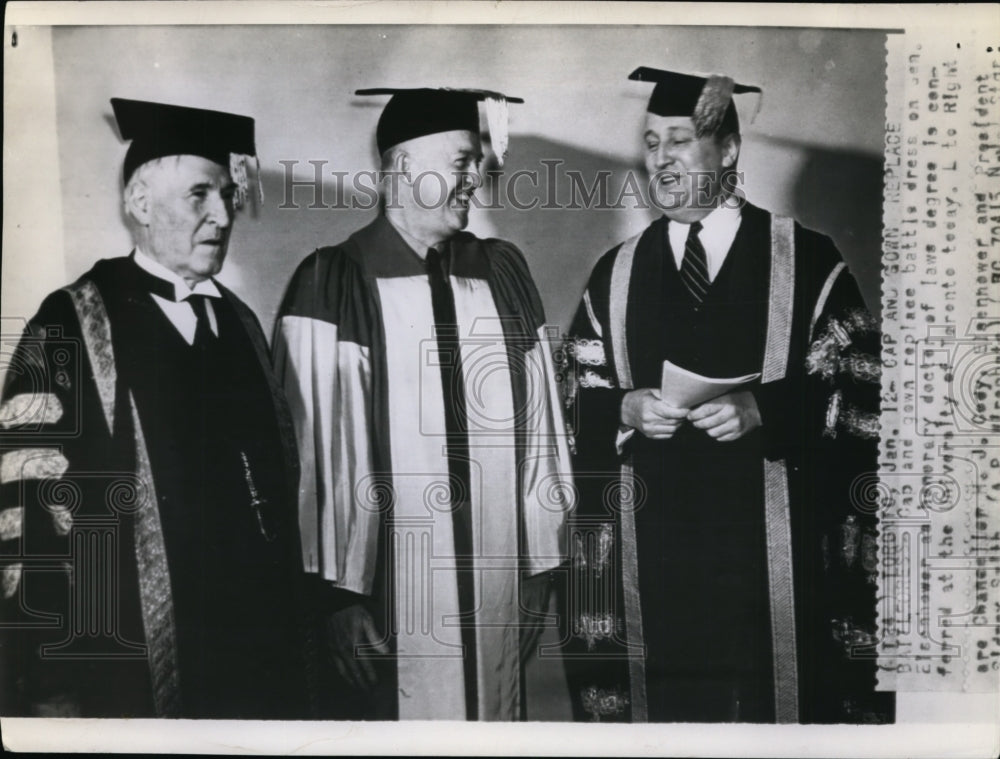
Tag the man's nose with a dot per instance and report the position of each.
(220, 211)
(664, 157)
(470, 180)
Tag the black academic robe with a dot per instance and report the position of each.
(156, 561)
(676, 608)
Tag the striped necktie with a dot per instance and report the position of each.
(694, 266)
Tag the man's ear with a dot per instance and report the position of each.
(138, 201)
(401, 164)
(730, 150)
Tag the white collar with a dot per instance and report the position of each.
(181, 288)
(723, 218)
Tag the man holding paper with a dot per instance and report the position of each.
(724, 377)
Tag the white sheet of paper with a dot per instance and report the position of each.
(683, 389)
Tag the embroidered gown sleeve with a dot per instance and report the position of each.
(593, 397)
(823, 418)
(48, 405)
(843, 372)
(800, 403)
(591, 603)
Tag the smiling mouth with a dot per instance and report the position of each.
(669, 177)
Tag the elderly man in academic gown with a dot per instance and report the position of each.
(723, 573)
(150, 562)
(435, 467)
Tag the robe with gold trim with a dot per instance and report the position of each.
(150, 554)
(726, 581)
(358, 348)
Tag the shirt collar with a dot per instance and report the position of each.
(718, 231)
(724, 218)
(181, 288)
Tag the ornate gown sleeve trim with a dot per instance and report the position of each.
(30, 408)
(10, 578)
(155, 594)
(595, 324)
(11, 523)
(621, 276)
(588, 352)
(824, 294)
(777, 519)
(96, 329)
(32, 464)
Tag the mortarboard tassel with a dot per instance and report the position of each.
(712, 104)
(260, 182)
(760, 103)
(238, 171)
(497, 123)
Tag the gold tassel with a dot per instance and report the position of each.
(497, 123)
(260, 181)
(238, 172)
(712, 104)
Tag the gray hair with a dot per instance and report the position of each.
(142, 175)
(139, 177)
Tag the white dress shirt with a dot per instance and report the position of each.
(718, 230)
(179, 311)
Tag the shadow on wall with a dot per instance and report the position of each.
(564, 232)
(839, 193)
(562, 206)
(272, 238)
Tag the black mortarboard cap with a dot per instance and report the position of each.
(412, 113)
(708, 100)
(157, 130)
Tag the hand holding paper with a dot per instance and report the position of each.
(683, 389)
(718, 407)
(728, 417)
(643, 410)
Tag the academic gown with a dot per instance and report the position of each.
(677, 603)
(152, 478)
(360, 351)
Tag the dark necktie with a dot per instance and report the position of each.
(694, 266)
(457, 447)
(203, 335)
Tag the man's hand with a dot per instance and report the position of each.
(728, 417)
(654, 418)
(350, 627)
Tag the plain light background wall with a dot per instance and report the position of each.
(814, 150)
(34, 259)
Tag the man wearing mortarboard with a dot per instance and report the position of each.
(149, 470)
(435, 466)
(739, 578)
